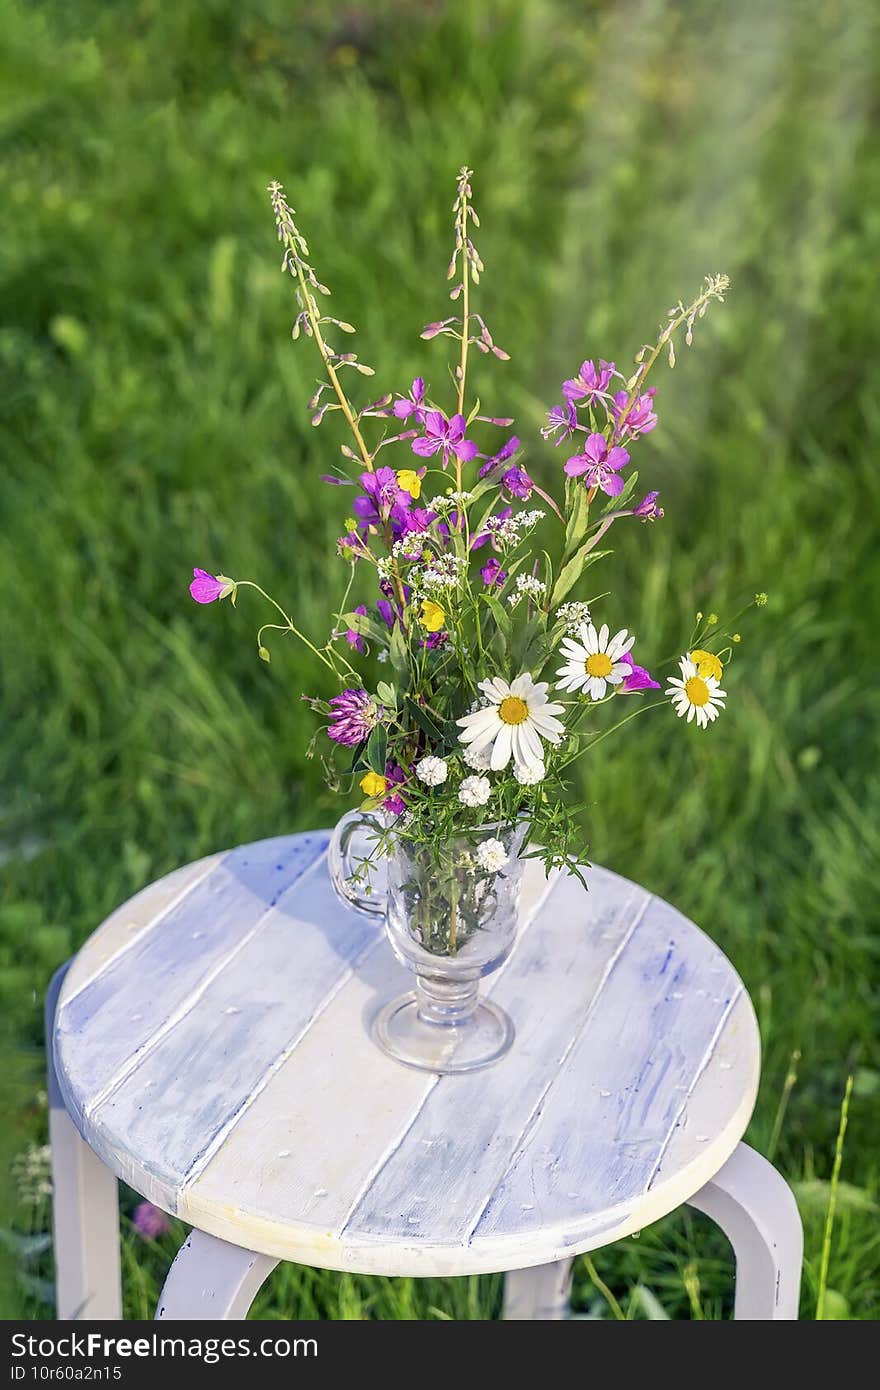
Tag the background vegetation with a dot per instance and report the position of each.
(154, 419)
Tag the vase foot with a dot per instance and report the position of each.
(476, 1041)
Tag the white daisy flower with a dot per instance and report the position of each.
(480, 760)
(699, 697)
(475, 791)
(432, 771)
(492, 856)
(594, 663)
(513, 723)
(530, 774)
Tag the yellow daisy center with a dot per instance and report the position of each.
(599, 664)
(513, 710)
(697, 691)
(707, 664)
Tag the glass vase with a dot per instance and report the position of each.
(451, 912)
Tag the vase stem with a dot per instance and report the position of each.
(445, 1002)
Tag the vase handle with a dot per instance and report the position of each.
(345, 853)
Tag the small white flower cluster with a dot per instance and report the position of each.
(509, 530)
(529, 774)
(443, 572)
(459, 499)
(574, 615)
(384, 567)
(408, 547)
(475, 791)
(432, 771)
(492, 856)
(527, 584)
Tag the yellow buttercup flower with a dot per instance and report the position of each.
(707, 664)
(409, 481)
(432, 615)
(371, 784)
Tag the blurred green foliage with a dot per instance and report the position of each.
(154, 419)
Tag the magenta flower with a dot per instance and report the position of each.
(353, 716)
(382, 498)
(386, 612)
(599, 465)
(150, 1221)
(561, 419)
(396, 802)
(648, 509)
(413, 404)
(639, 679)
(446, 436)
(354, 639)
(504, 453)
(492, 573)
(641, 416)
(518, 483)
(205, 588)
(590, 383)
(434, 640)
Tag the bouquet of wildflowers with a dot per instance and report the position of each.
(467, 667)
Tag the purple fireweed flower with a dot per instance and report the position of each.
(354, 715)
(504, 453)
(492, 573)
(150, 1221)
(517, 482)
(648, 509)
(639, 679)
(396, 802)
(205, 588)
(446, 436)
(434, 640)
(562, 419)
(386, 612)
(353, 638)
(641, 416)
(590, 383)
(382, 495)
(599, 465)
(413, 404)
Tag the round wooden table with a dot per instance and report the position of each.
(210, 1047)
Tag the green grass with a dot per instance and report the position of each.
(154, 419)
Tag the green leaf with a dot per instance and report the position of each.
(570, 574)
(377, 748)
(503, 620)
(364, 625)
(615, 503)
(424, 720)
(578, 520)
(398, 650)
(387, 694)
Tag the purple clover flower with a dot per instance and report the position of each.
(353, 716)
(639, 679)
(413, 404)
(492, 573)
(446, 436)
(648, 509)
(205, 588)
(150, 1221)
(599, 465)
(561, 419)
(590, 383)
(641, 416)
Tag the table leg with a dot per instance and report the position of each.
(539, 1294)
(755, 1208)
(85, 1207)
(212, 1279)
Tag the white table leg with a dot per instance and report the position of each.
(85, 1207)
(540, 1294)
(755, 1208)
(212, 1279)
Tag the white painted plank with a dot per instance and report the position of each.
(118, 1011)
(465, 1137)
(123, 927)
(193, 1083)
(312, 1140)
(609, 1116)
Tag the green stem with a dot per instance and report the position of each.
(288, 621)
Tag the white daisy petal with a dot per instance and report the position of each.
(502, 748)
(603, 637)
